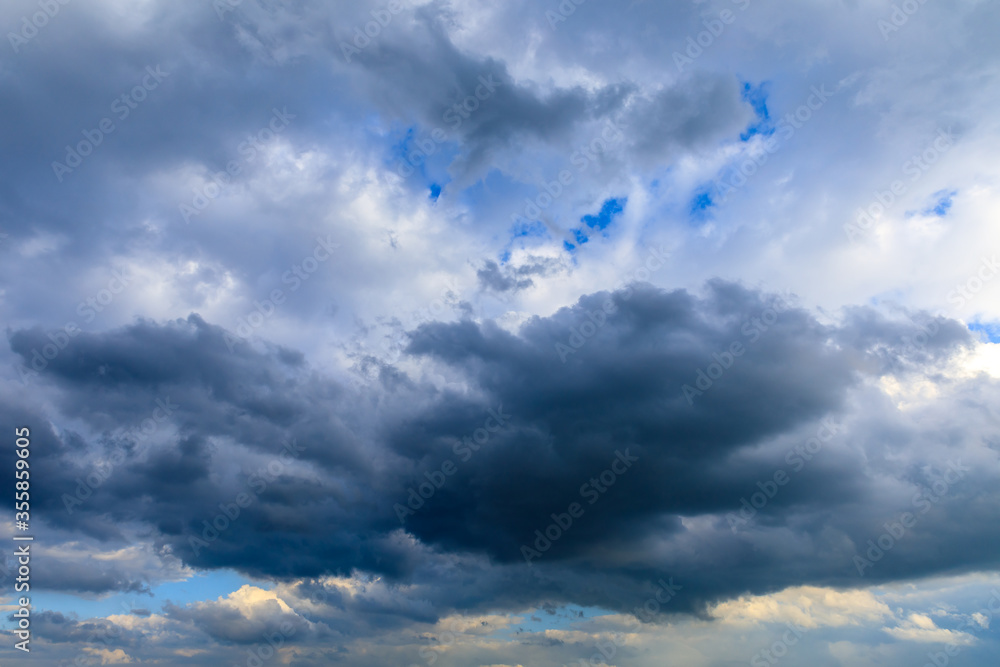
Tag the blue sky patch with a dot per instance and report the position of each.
(529, 229)
(558, 618)
(943, 203)
(701, 203)
(408, 159)
(756, 97)
(412, 322)
(988, 331)
(204, 585)
(943, 200)
(524, 229)
(401, 149)
(609, 209)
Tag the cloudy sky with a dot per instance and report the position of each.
(503, 334)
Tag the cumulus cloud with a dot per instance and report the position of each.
(574, 415)
(341, 317)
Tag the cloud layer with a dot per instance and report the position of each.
(445, 332)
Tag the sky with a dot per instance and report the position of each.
(464, 333)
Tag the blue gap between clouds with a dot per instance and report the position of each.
(204, 585)
(943, 203)
(756, 97)
(701, 203)
(401, 150)
(559, 618)
(523, 230)
(943, 199)
(610, 209)
(988, 331)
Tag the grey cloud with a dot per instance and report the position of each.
(228, 624)
(619, 391)
(509, 278)
(701, 111)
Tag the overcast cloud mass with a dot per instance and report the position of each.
(502, 334)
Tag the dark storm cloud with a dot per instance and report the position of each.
(89, 576)
(330, 507)
(60, 628)
(622, 389)
(165, 450)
